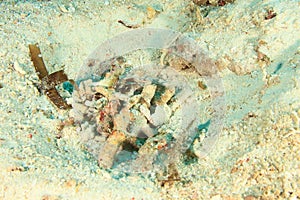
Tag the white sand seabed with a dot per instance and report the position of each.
(257, 155)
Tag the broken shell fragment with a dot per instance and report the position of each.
(161, 115)
(148, 93)
(146, 132)
(103, 91)
(166, 96)
(110, 148)
(134, 100)
(146, 112)
(108, 82)
(85, 86)
(121, 120)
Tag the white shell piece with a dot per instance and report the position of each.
(161, 115)
(146, 112)
(88, 133)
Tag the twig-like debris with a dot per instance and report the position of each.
(54, 79)
(127, 25)
(48, 81)
(36, 58)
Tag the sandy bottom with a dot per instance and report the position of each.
(255, 45)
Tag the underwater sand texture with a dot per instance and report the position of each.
(257, 53)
